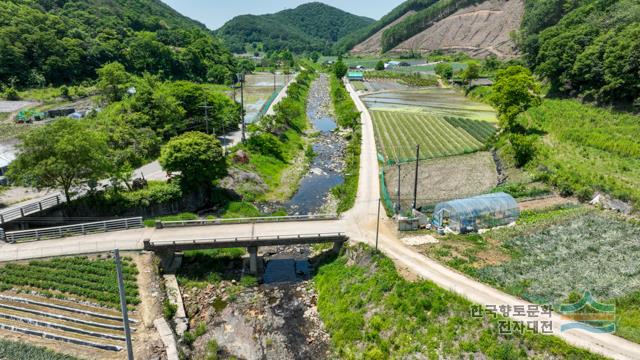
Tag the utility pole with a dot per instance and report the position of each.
(206, 108)
(123, 305)
(415, 184)
(241, 80)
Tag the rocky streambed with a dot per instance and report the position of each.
(275, 319)
(325, 172)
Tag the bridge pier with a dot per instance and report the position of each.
(337, 246)
(170, 261)
(253, 259)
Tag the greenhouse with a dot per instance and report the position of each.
(473, 214)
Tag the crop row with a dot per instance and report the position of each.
(91, 279)
(481, 130)
(398, 133)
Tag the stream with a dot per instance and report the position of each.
(327, 166)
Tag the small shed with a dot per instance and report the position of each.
(473, 214)
(355, 76)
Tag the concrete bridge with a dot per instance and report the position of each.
(170, 251)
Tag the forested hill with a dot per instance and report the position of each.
(587, 48)
(56, 42)
(309, 27)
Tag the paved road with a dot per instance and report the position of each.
(360, 225)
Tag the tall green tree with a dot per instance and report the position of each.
(197, 157)
(113, 79)
(444, 70)
(340, 69)
(65, 154)
(514, 91)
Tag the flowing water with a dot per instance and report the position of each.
(326, 168)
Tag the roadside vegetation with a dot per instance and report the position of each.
(348, 117)
(371, 312)
(73, 278)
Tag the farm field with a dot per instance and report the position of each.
(554, 255)
(433, 100)
(70, 301)
(258, 88)
(443, 179)
(398, 132)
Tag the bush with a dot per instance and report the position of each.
(169, 310)
(11, 94)
(523, 148)
(266, 144)
(584, 194)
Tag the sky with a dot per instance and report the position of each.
(214, 13)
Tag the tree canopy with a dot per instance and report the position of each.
(64, 41)
(514, 91)
(307, 28)
(588, 48)
(198, 158)
(62, 155)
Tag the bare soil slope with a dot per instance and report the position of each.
(479, 30)
(373, 45)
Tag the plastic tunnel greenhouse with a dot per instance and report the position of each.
(473, 214)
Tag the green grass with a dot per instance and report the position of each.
(179, 217)
(78, 277)
(397, 134)
(10, 350)
(371, 312)
(236, 209)
(584, 149)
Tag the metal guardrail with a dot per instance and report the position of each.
(267, 219)
(14, 213)
(242, 241)
(73, 230)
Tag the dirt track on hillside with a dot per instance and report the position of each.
(479, 30)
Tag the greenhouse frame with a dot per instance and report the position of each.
(473, 214)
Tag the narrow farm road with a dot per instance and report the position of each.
(361, 224)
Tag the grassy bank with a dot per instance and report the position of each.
(278, 146)
(582, 149)
(371, 312)
(348, 117)
(413, 79)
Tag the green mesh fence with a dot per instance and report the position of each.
(386, 198)
(267, 104)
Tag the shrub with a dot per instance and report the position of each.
(11, 94)
(168, 309)
(523, 148)
(584, 194)
(266, 144)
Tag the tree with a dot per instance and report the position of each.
(64, 154)
(315, 56)
(514, 91)
(471, 73)
(340, 69)
(196, 156)
(444, 70)
(380, 65)
(112, 81)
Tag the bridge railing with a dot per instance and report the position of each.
(267, 219)
(18, 212)
(296, 238)
(73, 230)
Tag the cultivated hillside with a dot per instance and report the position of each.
(64, 41)
(309, 27)
(480, 30)
(474, 26)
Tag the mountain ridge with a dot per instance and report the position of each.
(309, 27)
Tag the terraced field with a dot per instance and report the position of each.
(66, 304)
(398, 132)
